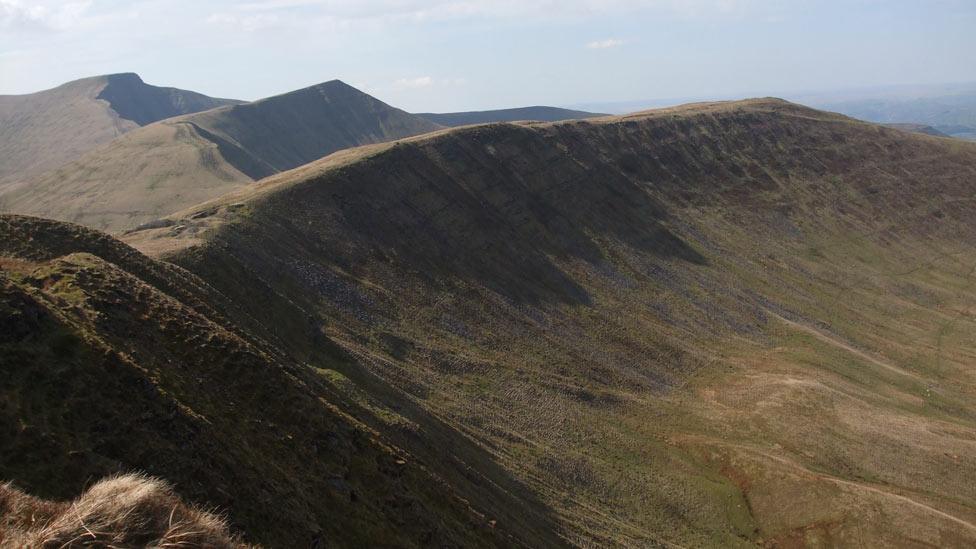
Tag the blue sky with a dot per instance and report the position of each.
(473, 54)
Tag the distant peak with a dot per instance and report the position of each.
(125, 76)
(333, 87)
(90, 84)
(130, 77)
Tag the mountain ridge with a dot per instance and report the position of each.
(100, 317)
(723, 318)
(534, 113)
(721, 324)
(43, 130)
(191, 158)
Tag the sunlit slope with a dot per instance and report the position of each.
(43, 130)
(174, 164)
(720, 324)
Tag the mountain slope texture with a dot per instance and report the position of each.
(165, 167)
(113, 362)
(728, 324)
(43, 130)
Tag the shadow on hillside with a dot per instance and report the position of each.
(289, 321)
(450, 455)
(500, 206)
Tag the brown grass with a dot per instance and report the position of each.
(123, 511)
(16, 264)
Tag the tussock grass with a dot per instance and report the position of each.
(128, 510)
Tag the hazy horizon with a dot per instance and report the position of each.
(435, 56)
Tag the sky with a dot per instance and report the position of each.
(437, 55)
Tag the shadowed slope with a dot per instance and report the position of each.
(43, 130)
(286, 131)
(728, 324)
(174, 164)
(113, 362)
(134, 100)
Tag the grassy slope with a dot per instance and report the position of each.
(177, 163)
(143, 175)
(114, 362)
(724, 324)
(41, 131)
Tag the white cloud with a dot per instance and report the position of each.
(604, 44)
(348, 12)
(249, 22)
(418, 82)
(427, 82)
(54, 15)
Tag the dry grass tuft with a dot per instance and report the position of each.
(124, 511)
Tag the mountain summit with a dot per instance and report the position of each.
(189, 159)
(43, 130)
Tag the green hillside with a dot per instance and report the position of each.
(721, 324)
(727, 324)
(113, 362)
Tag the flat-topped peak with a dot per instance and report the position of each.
(103, 79)
(752, 104)
(329, 87)
(130, 76)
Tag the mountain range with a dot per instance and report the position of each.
(185, 160)
(188, 159)
(43, 130)
(723, 324)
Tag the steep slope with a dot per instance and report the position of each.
(174, 164)
(543, 114)
(43, 130)
(286, 131)
(112, 362)
(728, 324)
